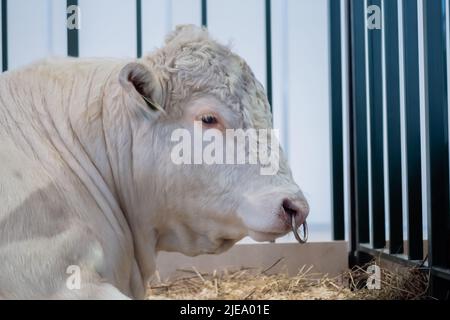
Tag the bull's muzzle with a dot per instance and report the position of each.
(297, 211)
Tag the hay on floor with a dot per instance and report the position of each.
(249, 283)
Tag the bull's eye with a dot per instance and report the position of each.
(209, 119)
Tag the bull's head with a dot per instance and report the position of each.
(201, 207)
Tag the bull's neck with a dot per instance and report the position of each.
(99, 126)
(86, 126)
(112, 155)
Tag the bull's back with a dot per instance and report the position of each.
(49, 214)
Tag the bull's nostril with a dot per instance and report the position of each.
(289, 207)
(295, 213)
(296, 207)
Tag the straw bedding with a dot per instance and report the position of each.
(250, 283)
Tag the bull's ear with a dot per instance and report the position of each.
(142, 85)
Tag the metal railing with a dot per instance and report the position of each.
(375, 91)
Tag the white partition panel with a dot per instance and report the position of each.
(241, 23)
(186, 12)
(108, 28)
(29, 37)
(280, 70)
(160, 17)
(309, 114)
(58, 27)
(156, 23)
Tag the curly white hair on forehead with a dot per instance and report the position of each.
(192, 63)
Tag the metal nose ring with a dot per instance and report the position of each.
(295, 230)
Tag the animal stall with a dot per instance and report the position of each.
(388, 85)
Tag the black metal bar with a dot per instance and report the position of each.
(72, 34)
(269, 50)
(358, 124)
(4, 35)
(204, 7)
(376, 133)
(412, 126)
(392, 92)
(384, 254)
(139, 28)
(437, 138)
(336, 120)
(443, 273)
(353, 217)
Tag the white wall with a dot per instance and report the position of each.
(242, 24)
(159, 17)
(185, 12)
(35, 30)
(309, 120)
(156, 23)
(108, 28)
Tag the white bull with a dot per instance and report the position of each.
(88, 191)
